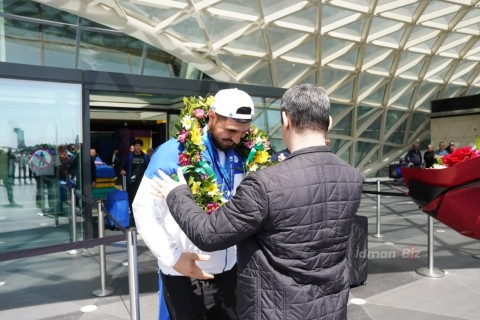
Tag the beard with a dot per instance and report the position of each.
(222, 144)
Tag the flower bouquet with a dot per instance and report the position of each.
(449, 192)
(200, 175)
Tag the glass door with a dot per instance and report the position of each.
(40, 161)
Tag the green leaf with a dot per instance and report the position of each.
(477, 142)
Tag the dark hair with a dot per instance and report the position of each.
(138, 141)
(308, 107)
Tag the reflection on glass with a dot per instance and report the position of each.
(361, 151)
(40, 137)
(373, 130)
(398, 135)
(344, 126)
(172, 119)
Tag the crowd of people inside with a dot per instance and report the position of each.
(50, 167)
(414, 158)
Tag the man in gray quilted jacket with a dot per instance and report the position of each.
(291, 222)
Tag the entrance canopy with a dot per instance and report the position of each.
(382, 62)
(379, 53)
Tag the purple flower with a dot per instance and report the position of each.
(211, 207)
(199, 113)
(183, 159)
(197, 157)
(249, 144)
(182, 137)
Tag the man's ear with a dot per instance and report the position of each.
(330, 123)
(212, 118)
(286, 120)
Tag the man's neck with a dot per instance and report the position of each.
(306, 139)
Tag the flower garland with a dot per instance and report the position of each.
(459, 155)
(201, 177)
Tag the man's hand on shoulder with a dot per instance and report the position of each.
(186, 265)
(162, 187)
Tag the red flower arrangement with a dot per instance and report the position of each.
(450, 194)
(460, 155)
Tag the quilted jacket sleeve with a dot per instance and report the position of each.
(230, 224)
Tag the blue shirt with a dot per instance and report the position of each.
(166, 159)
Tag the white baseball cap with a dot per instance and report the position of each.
(233, 103)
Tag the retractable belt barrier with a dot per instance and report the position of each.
(90, 243)
(430, 270)
(130, 236)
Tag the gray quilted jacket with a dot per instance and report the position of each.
(291, 224)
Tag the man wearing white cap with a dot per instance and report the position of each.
(197, 284)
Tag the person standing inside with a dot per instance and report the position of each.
(429, 157)
(93, 167)
(441, 150)
(150, 152)
(6, 160)
(451, 147)
(291, 222)
(116, 163)
(22, 167)
(133, 168)
(414, 156)
(44, 162)
(197, 284)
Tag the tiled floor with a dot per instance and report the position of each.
(394, 290)
(58, 286)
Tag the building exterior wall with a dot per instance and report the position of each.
(459, 129)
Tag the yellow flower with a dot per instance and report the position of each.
(212, 189)
(196, 136)
(192, 119)
(187, 122)
(261, 156)
(209, 100)
(196, 187)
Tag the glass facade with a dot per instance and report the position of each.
(40, 158)
(36, 34)
(364, 130)
(50, 37)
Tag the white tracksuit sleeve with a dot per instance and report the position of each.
(156, 225)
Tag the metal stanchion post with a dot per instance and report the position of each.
(73, 218)
(56, 195)
(430, 271)
(56, 219)
(104, 290)
(378, 234)
(133, 274)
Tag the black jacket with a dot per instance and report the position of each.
(291, 222)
